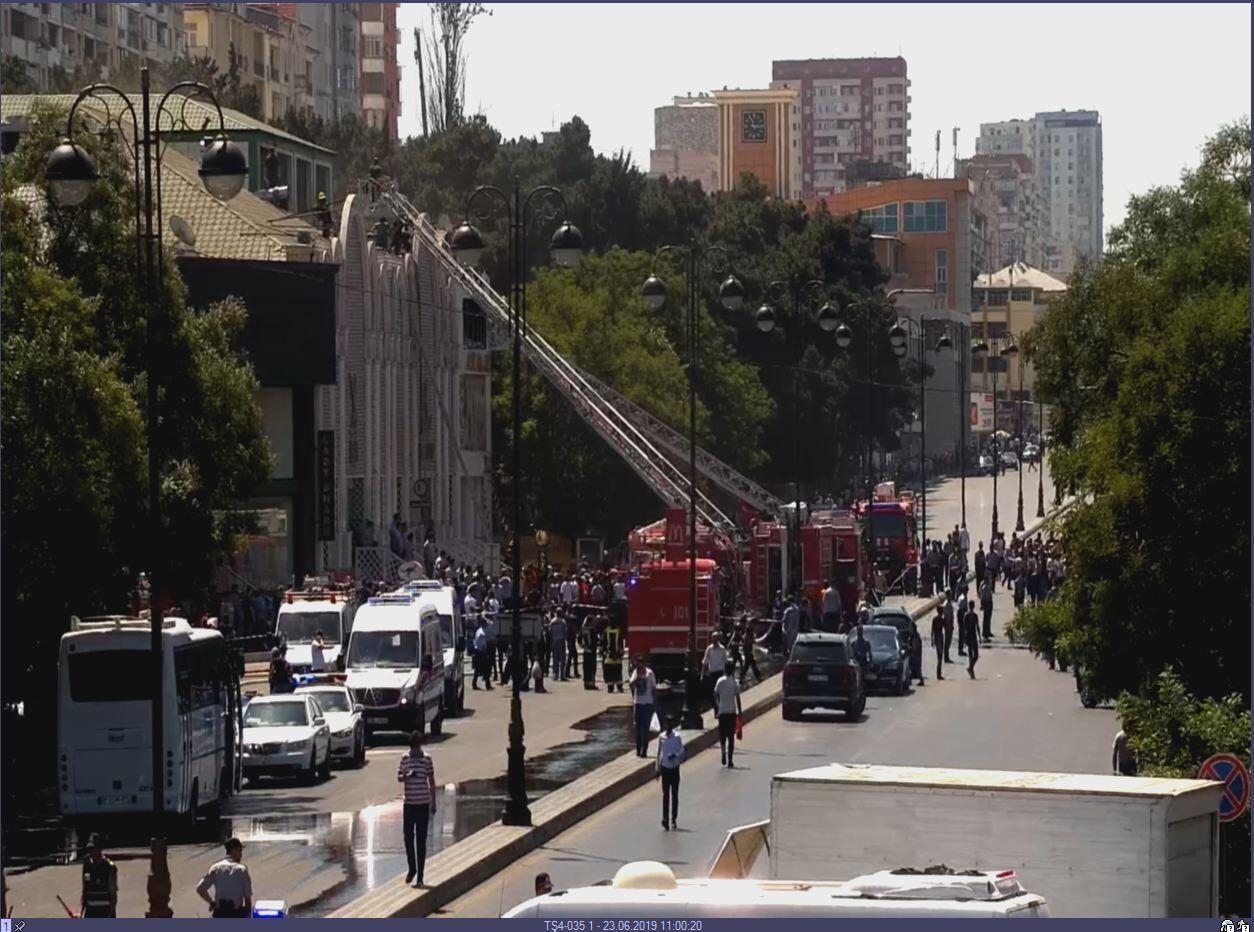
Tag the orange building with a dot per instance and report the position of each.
(758, 132)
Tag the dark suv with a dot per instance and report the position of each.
(821, 674)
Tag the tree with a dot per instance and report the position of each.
(14, 77)
(75, 375)
(447, 92)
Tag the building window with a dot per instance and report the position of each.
(372, 82)
(942, 269)
(1021, 295)
(373, 47)
(996, 298)
(881, 219)
(926, 216)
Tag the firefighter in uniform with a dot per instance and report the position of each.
(100, 883)
(612, 654)
(588, 644)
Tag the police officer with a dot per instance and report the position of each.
(280, 672)
(588, 643)
(612, 654)
(100, 883)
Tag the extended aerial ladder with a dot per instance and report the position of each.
(639, 437)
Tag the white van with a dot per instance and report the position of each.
(395, 666)
(305, 612)
(452, 638)
(649, 890)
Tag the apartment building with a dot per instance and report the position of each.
(380, 82)
(55, 39)
(758, 133)
(1066, 151)
(1008, 193)
(850, 110)
(332, 37)
(685, 140)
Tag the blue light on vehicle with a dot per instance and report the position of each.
(270, 909)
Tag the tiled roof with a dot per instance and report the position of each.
(244, 227)
(1024, 277)
(197, 113)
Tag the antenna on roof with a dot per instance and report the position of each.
(936, 173)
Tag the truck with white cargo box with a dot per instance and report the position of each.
(1093, 846)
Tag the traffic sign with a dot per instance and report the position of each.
(1232, 773)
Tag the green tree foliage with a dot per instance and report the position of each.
(1148, 357)
(74, 429)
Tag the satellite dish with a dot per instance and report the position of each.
(183, 230)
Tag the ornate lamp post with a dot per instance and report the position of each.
(565, 245)
(1040, 453)
(698, 259)
(1005, 348)
(828, 318)
(1019, 525)
(898, 338)
(71, 175)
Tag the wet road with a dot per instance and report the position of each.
(1016, 715)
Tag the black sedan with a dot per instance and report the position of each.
(888, 666)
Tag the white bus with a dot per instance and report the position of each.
(104, 719)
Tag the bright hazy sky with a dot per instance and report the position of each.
(1162, 76)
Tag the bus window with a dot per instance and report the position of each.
(111, 676)
(198, 676)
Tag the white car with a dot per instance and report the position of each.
(286, 735)
(344, 718)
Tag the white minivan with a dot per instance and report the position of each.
(452, 638)
(395, 665)
(649, 890)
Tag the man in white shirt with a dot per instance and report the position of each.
(713, 663)
(727, 705)
(643, 686)
(964, 540)
(792, 624)
(231, 884)
(569, 591)
(831, 607)
(670, 754)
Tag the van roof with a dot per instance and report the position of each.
(392, 613)
(1006, 780)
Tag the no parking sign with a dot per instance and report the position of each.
(1232, 773)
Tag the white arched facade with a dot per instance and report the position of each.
(401, 405)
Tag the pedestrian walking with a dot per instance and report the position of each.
(791, 624)
(588, 642)
(713, 663)
(981, 563)
(746, 655)
(99, 898)
(557, 643)
(938, 640)
(964, 540)
(670, 755)
(612, 654)
(727, 707)
(572, 642)
(1122, 760)
(948, 613)
(916, 653)
(643, 685)
(280, 671)
(537, 674)
(970, 633)
(231, 883)
(480, 662)
(416, 772)
(1020, 588)
(986, 606)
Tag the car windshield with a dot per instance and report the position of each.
(881, 641)
(300, 627)
(889, 524)
(896, 619)
(395, 649)
(271, 714)
(816, 652)
(333, 700)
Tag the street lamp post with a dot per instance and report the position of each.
(565, 245)
(828, 318)
(1005, 348)
(844, 339)
(732, 295)
(1040, 454)
(1019, 525)
(70, 175)
(898, 338)
(962, 354)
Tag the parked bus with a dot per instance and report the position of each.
(104, 719)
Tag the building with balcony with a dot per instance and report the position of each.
(1008, 194)
(1066, 152)
(328, 83)
(849, 110)
(380, 80)
(1009, 301)
(685, 141)
(757, 133)
(54, 40)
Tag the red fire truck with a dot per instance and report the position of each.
(890, 518)
(829, 551)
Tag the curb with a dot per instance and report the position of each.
(461, 867)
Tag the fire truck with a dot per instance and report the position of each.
(830, 550)
(890, 518)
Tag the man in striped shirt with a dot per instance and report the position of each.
(417, 773)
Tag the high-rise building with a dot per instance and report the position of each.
(1066, 151)
(685, 141)
(850, 110)
(99, 38)
(758, 133)
(1008, 193)
(380, 72)
(332, 37)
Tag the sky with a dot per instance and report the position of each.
(1163, 76)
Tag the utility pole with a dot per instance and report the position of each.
(422, 80)
(936, 172)
(955, 151)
